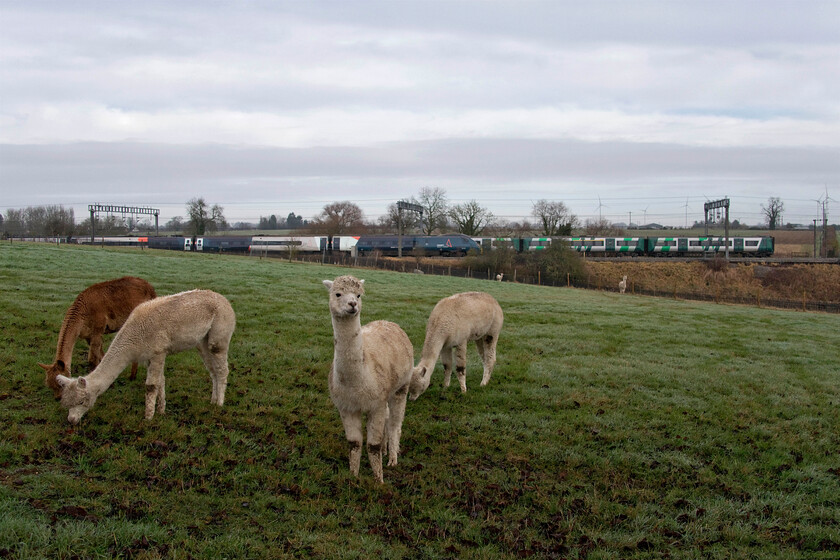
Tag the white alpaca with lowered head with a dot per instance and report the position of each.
(454, 322)
(196, 319)
(370, 374)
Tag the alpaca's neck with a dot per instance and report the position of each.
(113, 363)
(67, 336)
(348, 361)
(431, 349)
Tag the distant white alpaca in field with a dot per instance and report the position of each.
(453, 323)
(196, 319)
(622, 285)
(370, 374)
(499, 276)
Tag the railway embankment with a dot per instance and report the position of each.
(792, 286)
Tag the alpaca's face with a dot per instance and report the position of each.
(345, 296)
(420, 377)
(53, 371)
(76, 398)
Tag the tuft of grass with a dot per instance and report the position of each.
(614, 427)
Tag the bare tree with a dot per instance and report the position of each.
(175, 224)
(554, 217)
(389, 222)
(58, 221)
(435, 208)
(15, 224)
(470, 217)
(601, 226)
(204, 218)
(773, 211)
(339, 217)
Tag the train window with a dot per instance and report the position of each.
(695, 243)
(751, 242)
(666, 242)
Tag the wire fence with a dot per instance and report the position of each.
(530, 277)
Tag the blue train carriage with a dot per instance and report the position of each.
(223, 244)
(179, 243)
(608, 246)
(384, 244)
(455, 244)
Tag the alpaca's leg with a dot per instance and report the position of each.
(217, 366)
(461, 365)
(375, 435)
(479, 345)
(395, 421)
(388, 428)
(154, 380)
(489, 357)
(161, 398)
(352, 422)
(95, 351)
(446, 358)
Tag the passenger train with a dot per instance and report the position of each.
(448, 245)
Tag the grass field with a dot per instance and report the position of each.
(614, 427)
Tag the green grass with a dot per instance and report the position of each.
(614, 427)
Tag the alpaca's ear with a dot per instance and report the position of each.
(423, 372)
(45, 366)
(62, 381)
(328, 284)
(362, 282)
(82, 382)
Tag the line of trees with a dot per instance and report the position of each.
(470, 218)
(551, 218)
(292, 221)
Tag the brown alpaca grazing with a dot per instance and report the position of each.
(99, 309)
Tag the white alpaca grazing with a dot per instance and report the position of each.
(453, 323)
(196, 319)
(370, 374)
(622, 285)
(500, 276)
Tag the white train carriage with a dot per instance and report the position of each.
(273, 245)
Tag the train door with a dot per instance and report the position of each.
(187, 244)
(682, 245)
(322, 244)
(739, 244)
(610, 245)
(199, 244)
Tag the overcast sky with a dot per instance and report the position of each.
(649, 108)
